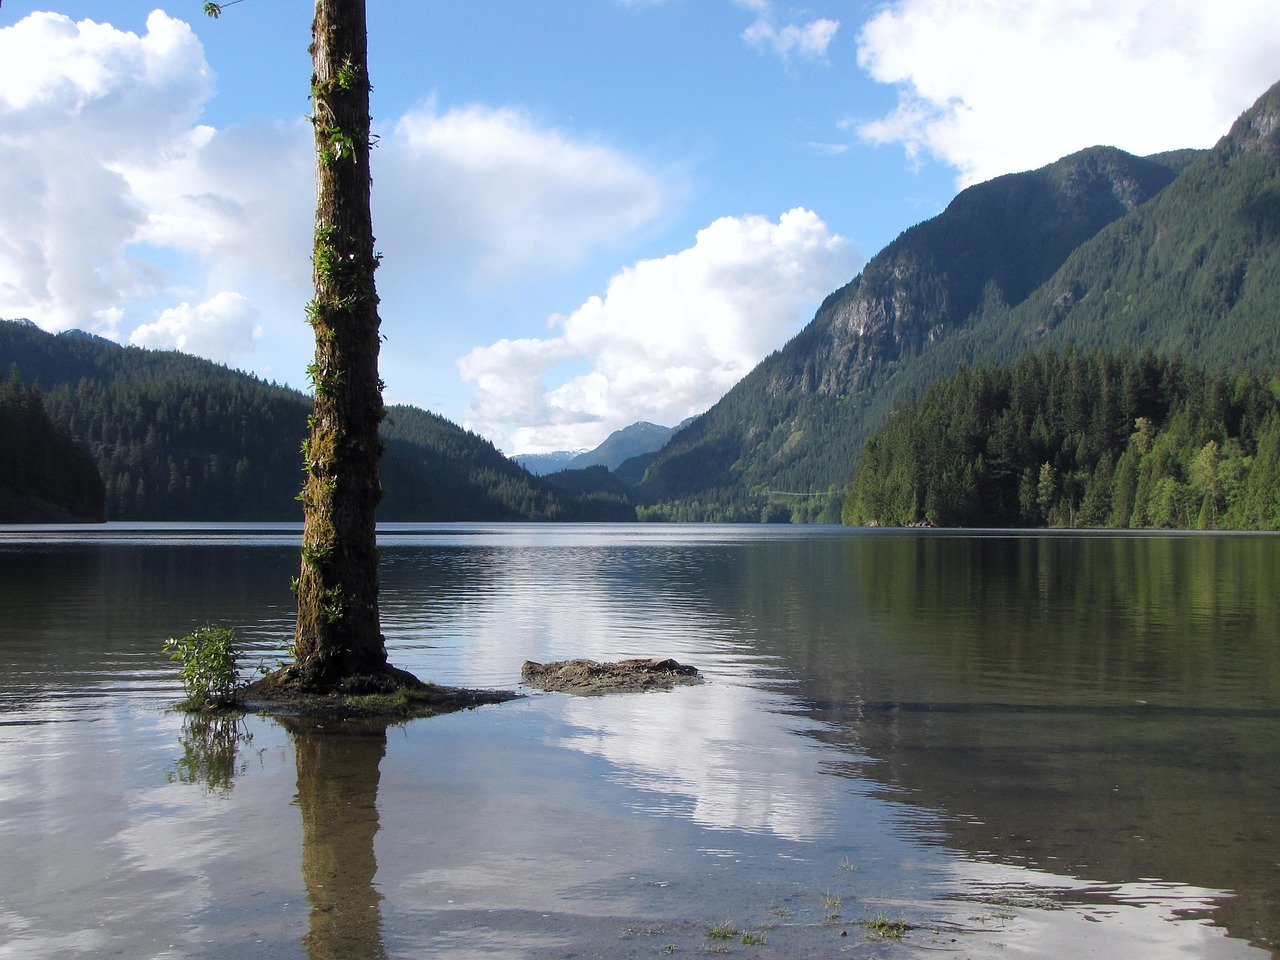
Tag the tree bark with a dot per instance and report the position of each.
(338, 631)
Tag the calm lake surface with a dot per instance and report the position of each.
(1023, 745)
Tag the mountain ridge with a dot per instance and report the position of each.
(981, 283)
(634, 440)
(177, 437)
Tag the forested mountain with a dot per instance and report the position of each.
(540, 464)
(433, 469)
(1178, 251)
(1064, 439)
(1178, 254)
(45, 475)
(175, 437)
(601, 496)
(1197, 269)
(620, 446)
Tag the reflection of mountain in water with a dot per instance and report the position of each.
(1094, 707)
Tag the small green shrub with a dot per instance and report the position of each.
(210, 658)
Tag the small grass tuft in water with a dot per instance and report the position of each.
(723, 930)
(753, 939)
(832, 902)
(883, 927)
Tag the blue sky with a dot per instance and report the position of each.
(592, 212)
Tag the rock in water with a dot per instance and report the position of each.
(589, 677)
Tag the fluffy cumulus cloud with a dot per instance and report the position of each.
(666, 340)
(78, 101)
(505, 196)
(109, 183)
(121, 214)
(240, 200)
(804, 41)
(220, 328)
(997, 86)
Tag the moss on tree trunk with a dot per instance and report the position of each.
(338, 631)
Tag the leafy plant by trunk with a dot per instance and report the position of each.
(209, 656)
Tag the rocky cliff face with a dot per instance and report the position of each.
(1257, 129)
(989, 249)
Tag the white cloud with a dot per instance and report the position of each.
(498, 196)
(239, 199)
(221, 328)
(119, 211)
(997, 86)
(808, 41)
(667, 339)
(76, 101)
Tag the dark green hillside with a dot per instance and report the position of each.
(600, 495)
(1196, 270)
(45, 475)
(1104, 440)
(175, 437)
(179, 438)
(434, 469)
(794, 425)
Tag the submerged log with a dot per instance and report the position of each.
(591, 678)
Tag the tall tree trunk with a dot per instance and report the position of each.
(338, 633)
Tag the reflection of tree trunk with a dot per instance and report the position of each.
(337, 793)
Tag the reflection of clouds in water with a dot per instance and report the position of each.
(1033, 913)
(473, 616)
(24, 940)
(109, 854)
(722, 754)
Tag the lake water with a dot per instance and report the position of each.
(1023, 745)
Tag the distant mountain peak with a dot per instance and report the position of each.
(633, 440)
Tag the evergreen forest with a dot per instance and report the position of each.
(175, 437)
(1084, 440)
(46, 475)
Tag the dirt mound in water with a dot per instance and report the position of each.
(591, 678)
